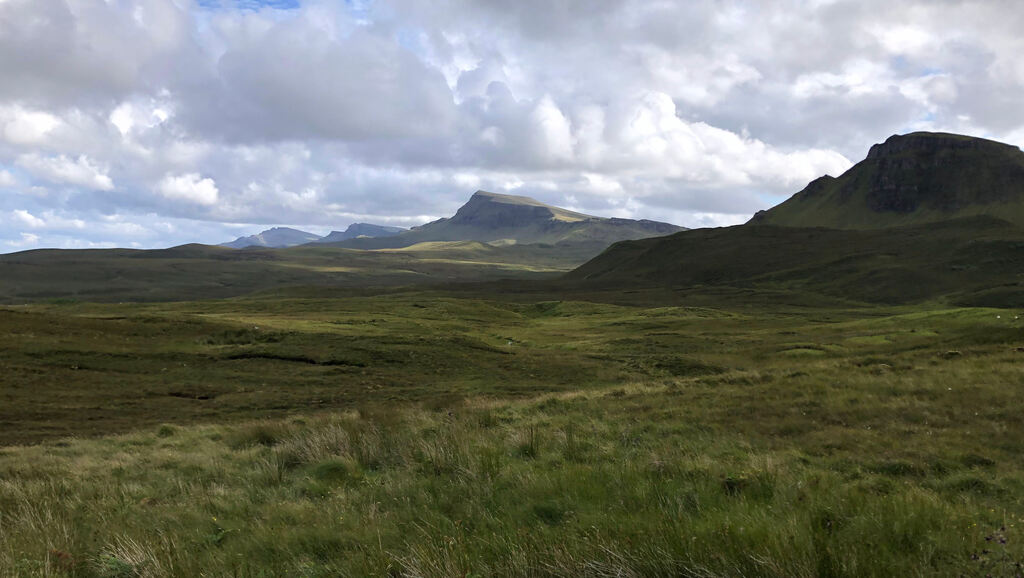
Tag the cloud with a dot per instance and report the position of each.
(49, 220)
(189, 187)
(26, 127)
(300, 77)
(64, 53)
(25, 240)
(131, 117)
(29, 219)
(318, 113)
(81, 171)
(552, 134)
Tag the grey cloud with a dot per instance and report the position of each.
(85, 52)
(695, 112)
(291, 82)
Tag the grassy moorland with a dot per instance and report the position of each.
(194, 272)
(423, 435)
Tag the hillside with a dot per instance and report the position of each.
(924, 216)
(973, 260)
(277, 237)
(909, 179)
(507, 219)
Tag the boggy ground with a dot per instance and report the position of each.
(424, 435)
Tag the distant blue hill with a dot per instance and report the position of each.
(356, 230)
(274, 238)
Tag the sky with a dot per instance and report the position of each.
(152, 123)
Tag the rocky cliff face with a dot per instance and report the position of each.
(935, 143)
(938, 169)
(913, 178)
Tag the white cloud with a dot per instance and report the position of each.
(601, 184)
(51, 221)
(136, 116)
(552, 139)
(7, 179)
(80, 172)
(26, 127)
(189, 187)
(25, 240)
(859, 77)
(29, 219)
(466, 181)
(904, 38)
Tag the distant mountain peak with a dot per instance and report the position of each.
(357, 230)
(919, 177)
(497, 210)
(274, 237)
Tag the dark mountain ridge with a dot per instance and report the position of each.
(914, 178)
(970, 260)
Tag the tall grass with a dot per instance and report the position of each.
(528, 488)
(878, 454)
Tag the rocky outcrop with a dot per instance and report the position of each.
(914, 178)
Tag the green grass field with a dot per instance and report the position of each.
(435, 434)
(196, 272)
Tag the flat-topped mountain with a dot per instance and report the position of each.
(509, 219)
(356, 230)
(497, 211)
(277, 237)
(915, 178)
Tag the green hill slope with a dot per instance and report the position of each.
(975, 260)
(207, 272)
(910, 179)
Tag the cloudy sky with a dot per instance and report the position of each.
(150, 123)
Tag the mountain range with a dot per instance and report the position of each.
(491, 218)
(499, 219)
(357, 230)
(281, 237)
